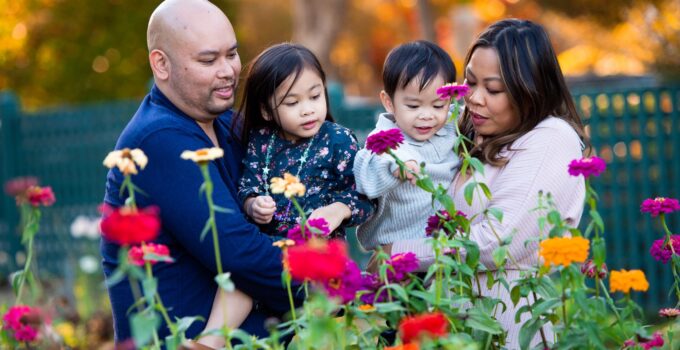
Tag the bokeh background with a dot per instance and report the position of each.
(72, 73)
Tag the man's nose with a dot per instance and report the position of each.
(226, 70)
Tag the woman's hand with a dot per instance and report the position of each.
(373, 265)
(334, 214)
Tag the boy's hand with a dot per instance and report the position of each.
(334, 214)
(260, 208)
(410, 165)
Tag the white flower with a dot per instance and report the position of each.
(126, 160)
(88, 263)
(203, 155)
(84, 226)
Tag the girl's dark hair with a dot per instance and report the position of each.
(265, 74)
(533, 81)
(407, 61)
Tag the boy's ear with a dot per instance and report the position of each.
(386, 101)
(266, 115)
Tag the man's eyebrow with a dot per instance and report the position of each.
(216, 52)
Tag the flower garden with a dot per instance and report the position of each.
(570, 290)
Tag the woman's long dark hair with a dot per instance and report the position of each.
(267, 71)
(533, 81)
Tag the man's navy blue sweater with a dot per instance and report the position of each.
(187, 286)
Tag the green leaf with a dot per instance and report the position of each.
(469, 191)
(225, 282)
(118, 275)
(143, 326)
(184, 323)
(543, 305)
(497, 213)
(477, 165)
(597, 219)
(206, 228)
(149, 286)
(499, 255)
(485, 189)
(599, 251)
(528, 330)
(514, 295)
(17, 280)
(554, 217)
(481, 321)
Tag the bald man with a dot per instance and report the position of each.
(195, 63)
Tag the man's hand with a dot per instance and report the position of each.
(260, 208)
(334, 214)
(410, 165)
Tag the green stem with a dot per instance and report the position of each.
(127, 184)
(159, 303)
(211, 218)
(303, 217)
(290, 298)
(438, 274)
(610, 302)
(27, 266)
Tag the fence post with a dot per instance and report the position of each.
(10, 114)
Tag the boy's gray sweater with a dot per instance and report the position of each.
(403, 208)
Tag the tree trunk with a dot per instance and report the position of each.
(426, 20)
(317, 25)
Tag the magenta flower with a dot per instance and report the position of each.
(347, 285)
(587, 166)
(19, 185)
(16, 320)
(384, 140)
(646, 343)
(371, 284)
(161, 252)
(40, 196)
(317, 227)
(661, 250)
(589, 269)
(659, 205)
(452, 90)
(436, 222)
(402, 264)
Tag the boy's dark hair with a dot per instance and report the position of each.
(267, 71)
(408, 61)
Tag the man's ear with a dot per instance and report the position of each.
(386, 101)
(160, 64)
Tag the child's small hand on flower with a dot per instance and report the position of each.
(260, 208)
(411, 165)
(334, 214)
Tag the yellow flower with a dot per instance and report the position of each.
(284, 243)
(203, 155)
(67, 333)
(564, 250)
(624, 281)
(126, 160)
(366, 308)
(289, 185)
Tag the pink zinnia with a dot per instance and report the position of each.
(587, 166)
(161, 252)
(347, 285)
(669, 312)
(19, 185)
(384, 140)
(646, 343)
(661, 250)
(315, 227)
(436, 222)
(452, 90)
(15, 320)
(659, 205)
(402, 264)
(40, 196)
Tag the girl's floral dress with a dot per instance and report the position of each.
(326, 173)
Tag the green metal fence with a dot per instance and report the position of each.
(635, 130)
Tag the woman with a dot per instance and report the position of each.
(526, 131)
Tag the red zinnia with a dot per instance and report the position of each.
(38, 196)
(129, 226)
(136, 254)
(659, 205)
(317, 260)
(433, 325)
(384, 140)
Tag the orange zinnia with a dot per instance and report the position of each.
(624, 281)
(564, 250)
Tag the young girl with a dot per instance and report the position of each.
(288, 128)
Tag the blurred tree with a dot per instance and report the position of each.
(607, 13)
(317, 25)
(56, 51)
